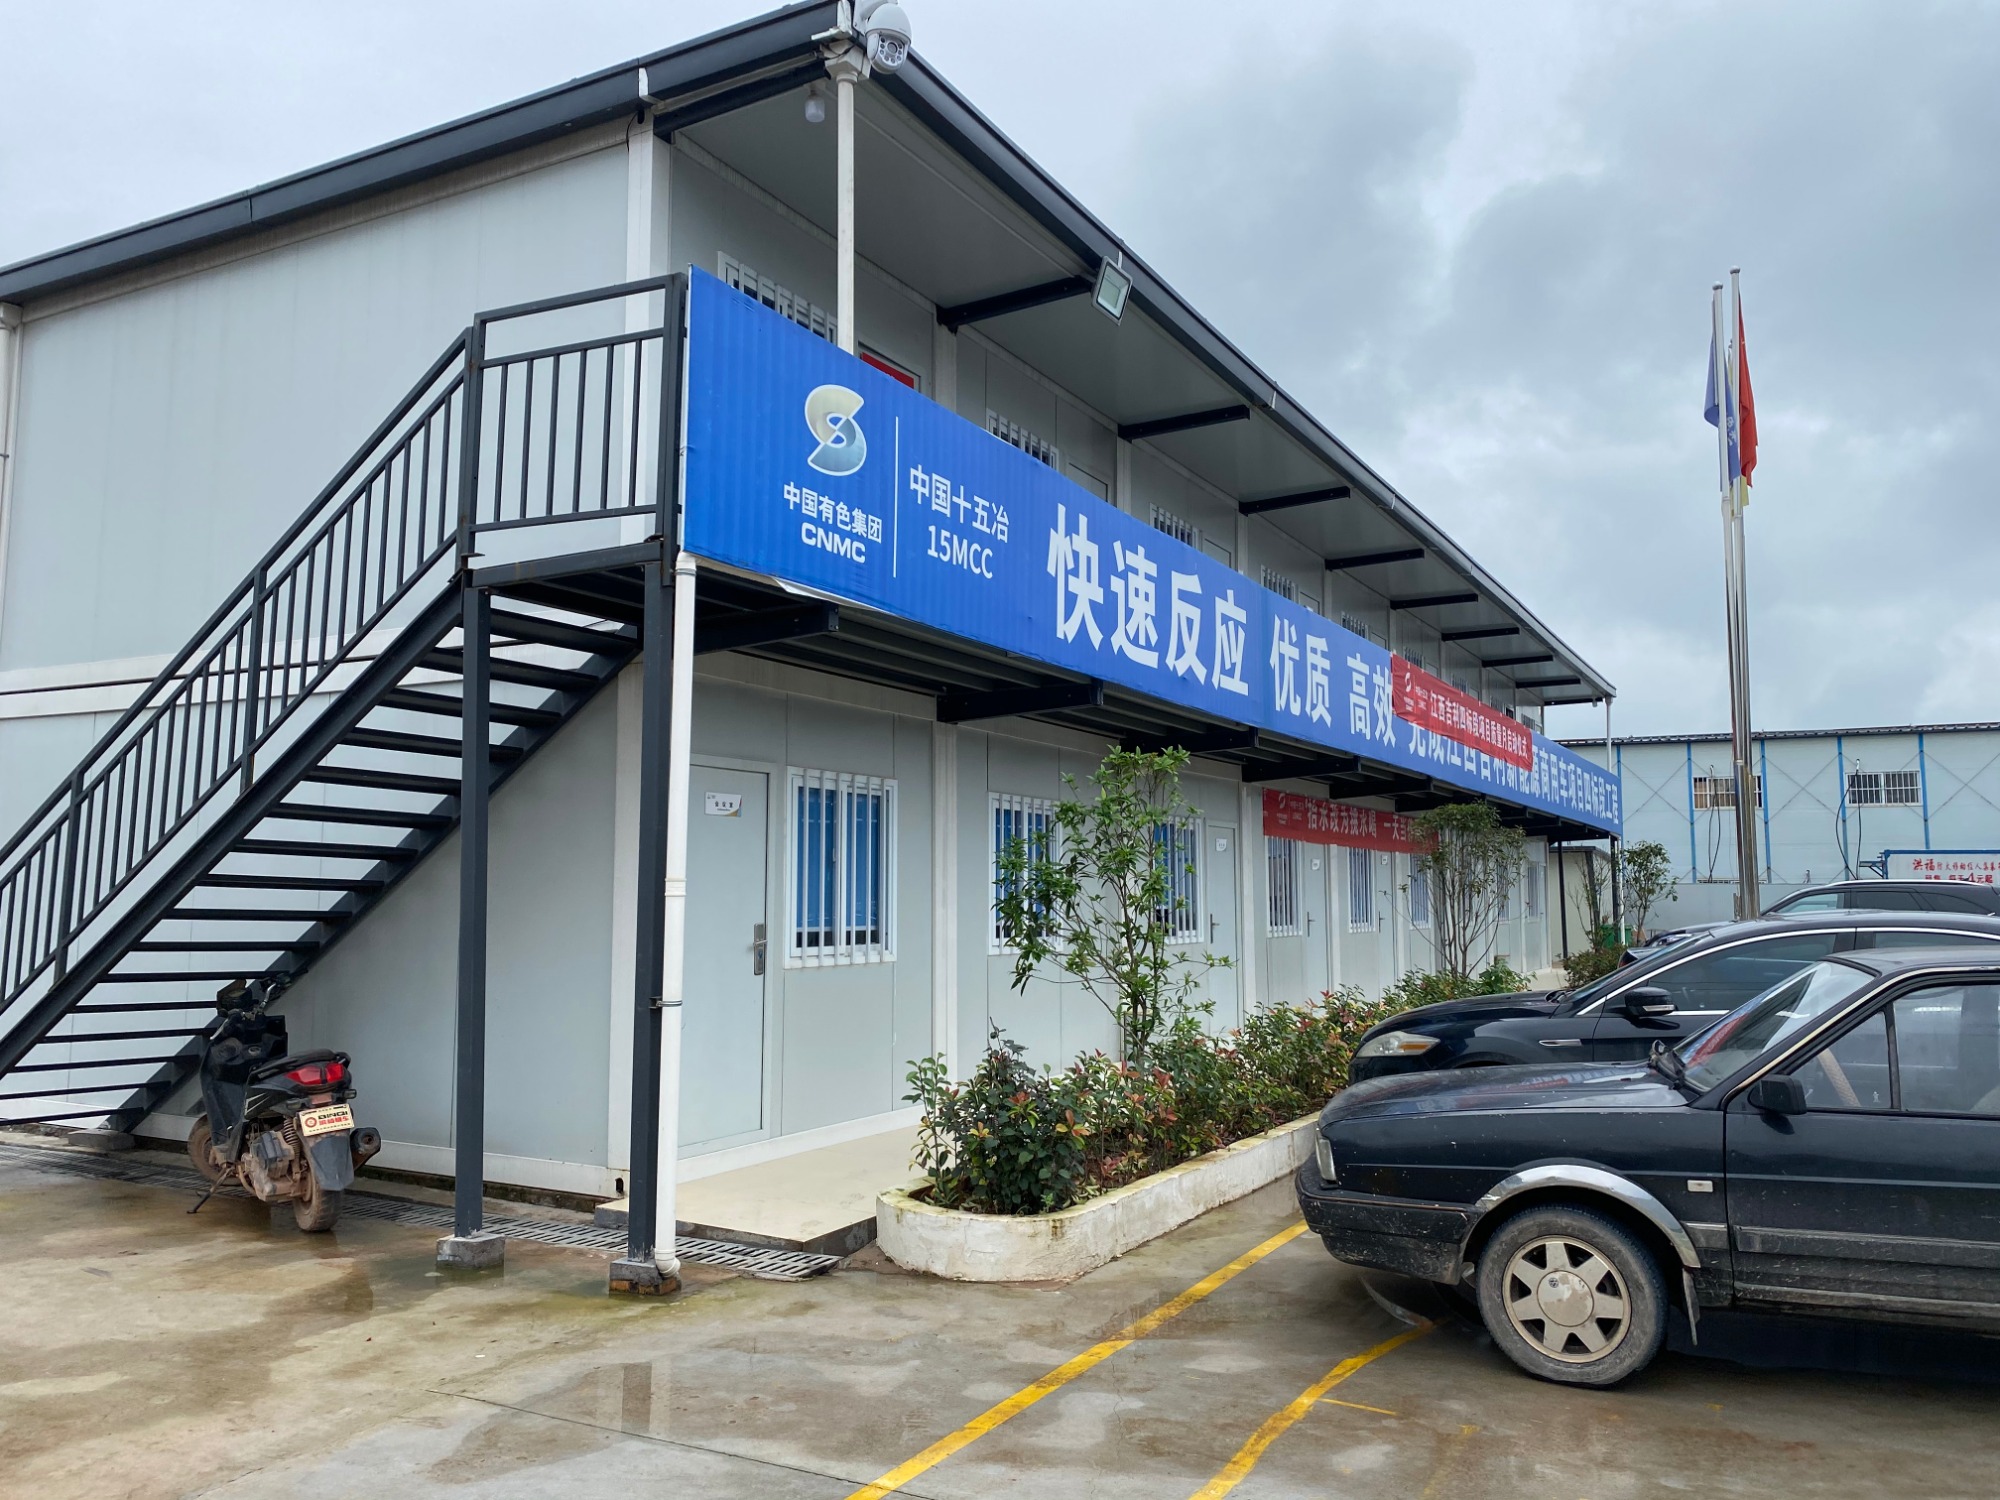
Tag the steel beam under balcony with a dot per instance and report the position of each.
(959, 708)
(999, 306)
(1214, 742)
(1434, 601)
(1303, 770)
(1482, 633)
(1519, 661)
(1186, 421)
(764, 627)
(1542, 682)
(1371, 559)
(1303, 497)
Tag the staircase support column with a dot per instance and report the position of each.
(469, 1246)
(641, 1269)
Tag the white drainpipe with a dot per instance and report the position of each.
(10, 422)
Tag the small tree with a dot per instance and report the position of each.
(1100, 897)
(1472, 864)
(1645, 876)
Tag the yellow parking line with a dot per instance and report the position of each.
(1063, 1374)
(1380, 1411)
(1238, 1468)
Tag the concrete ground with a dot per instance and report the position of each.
(145, 1353)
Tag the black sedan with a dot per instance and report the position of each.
(1667, 996)
(1959, 897)
(1830, 1148)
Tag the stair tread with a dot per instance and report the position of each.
(384, 781)
(299, 849)
(520, 673)
(367, 737)
(373, 817)
(222, 945)
(520, 627)
(233, 881)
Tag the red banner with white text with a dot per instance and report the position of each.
(1432, 703)
(1313, 820)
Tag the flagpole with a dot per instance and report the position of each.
(1719, 378)
(1739, 696)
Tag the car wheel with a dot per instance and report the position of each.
(1572, 1297)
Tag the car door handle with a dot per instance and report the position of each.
(758, 948)
(1562, 1041)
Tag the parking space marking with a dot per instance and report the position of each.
(1238, 1468)
(1063, 1374)
(1380, 1411)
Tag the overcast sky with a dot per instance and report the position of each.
(1476, 239)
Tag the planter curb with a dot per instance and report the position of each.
(1054, 1247)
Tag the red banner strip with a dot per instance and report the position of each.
(1432, 703)
(1313, 820)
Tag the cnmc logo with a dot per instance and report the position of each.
(830, 413)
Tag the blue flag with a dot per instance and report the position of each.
(1715, 409)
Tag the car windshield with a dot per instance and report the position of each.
(1756, 1026)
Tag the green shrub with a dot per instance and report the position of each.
(1011, 1140)
(1592, 963)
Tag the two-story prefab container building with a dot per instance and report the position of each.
(208, 413)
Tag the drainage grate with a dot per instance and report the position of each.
(752, 1260)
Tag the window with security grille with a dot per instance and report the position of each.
(1177, 527)
(1720, 791)
(782, 300)
(1531, 888)
(1864, 788)
(1177, 847)
(1280, 585)
(1360, 889)
(843, 831)
(1354, 626)
(1281, 862)
(1420, 897)
(1900, 789)
(1026, 821)
(1019, 436)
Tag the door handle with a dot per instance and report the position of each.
(1212, 924)
(758, 947)
(1309, 924)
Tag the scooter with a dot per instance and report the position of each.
(277, 1124)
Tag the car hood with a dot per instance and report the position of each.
(1630, 1086)
(1472, 1010)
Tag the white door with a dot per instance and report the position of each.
(722, 1020)
(1219, 883)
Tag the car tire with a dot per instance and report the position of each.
(1572, 1297)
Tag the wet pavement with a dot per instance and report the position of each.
(145, 1353)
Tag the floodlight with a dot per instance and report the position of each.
(1113, 287)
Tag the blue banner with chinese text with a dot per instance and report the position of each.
(804, 463)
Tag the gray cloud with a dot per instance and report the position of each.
(1477, 240)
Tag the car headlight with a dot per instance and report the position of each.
(1397, 1044)
(1323, 1157)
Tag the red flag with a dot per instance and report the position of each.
(1746, 405)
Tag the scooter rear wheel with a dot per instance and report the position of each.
(316, 1210)
(201, 1150)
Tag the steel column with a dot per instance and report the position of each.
(654, 710)
(469, 1136)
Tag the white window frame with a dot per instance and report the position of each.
(1177, 526)
(1014, 434)
(1361, 890)
(1279, 584)
(1901, 789)
(1031, 815)
(1420, 895)
(830, 944)
(1533, 883)
(1715, 793)
(1283, 911)
(781, 299)
(1184, 882)
(1864, 788)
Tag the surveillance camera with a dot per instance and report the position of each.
(886, 29)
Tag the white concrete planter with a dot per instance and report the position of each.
(1052, 1247)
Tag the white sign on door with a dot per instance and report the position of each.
(724, 804)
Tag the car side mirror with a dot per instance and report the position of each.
(1647, 1003)
(1778, 1094)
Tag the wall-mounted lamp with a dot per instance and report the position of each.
(1113, 287)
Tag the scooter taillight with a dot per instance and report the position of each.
(318, 1075)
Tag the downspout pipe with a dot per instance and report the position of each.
(673, 945)
(10, 423)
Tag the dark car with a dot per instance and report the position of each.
(1959, 897)
(1665, 997)
(1832, 1147)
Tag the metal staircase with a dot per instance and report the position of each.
(350, 705)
